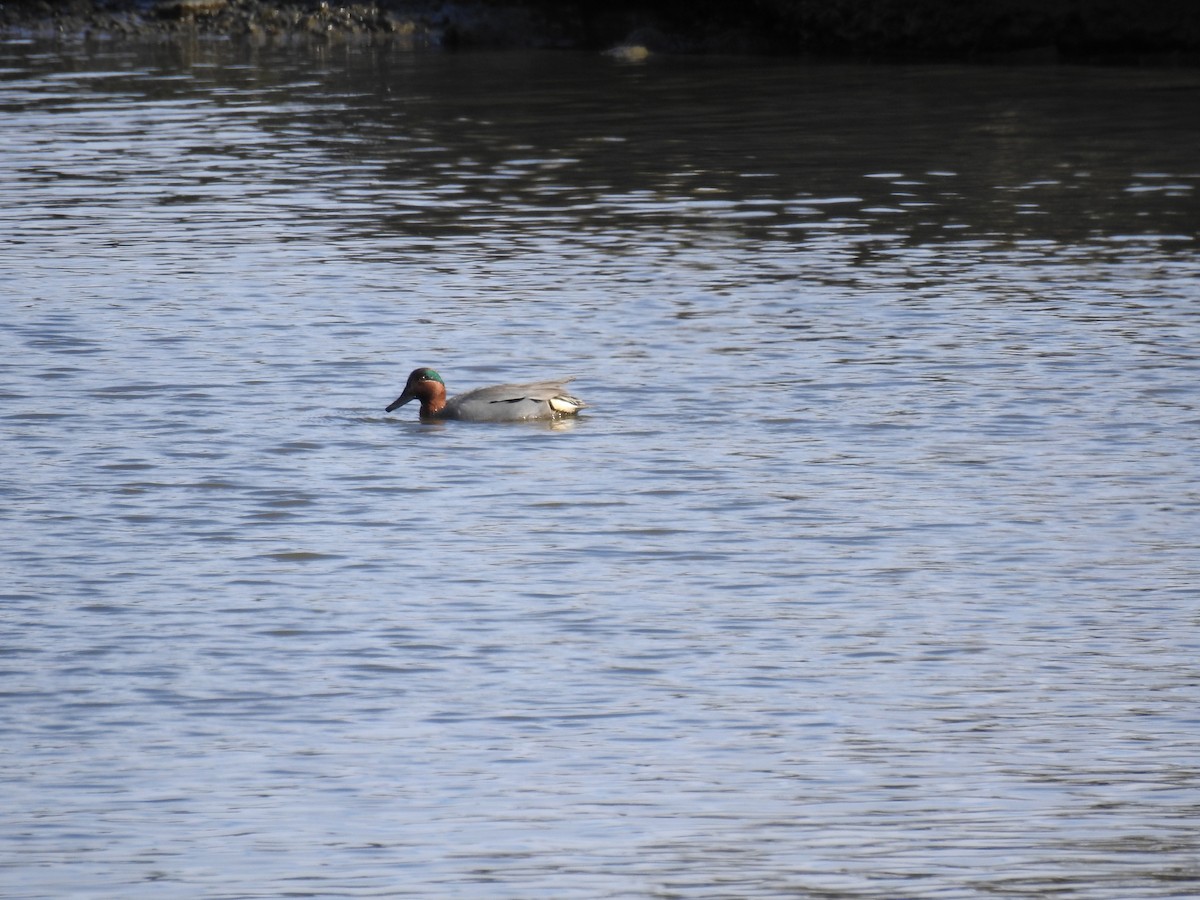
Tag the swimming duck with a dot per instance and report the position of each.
(502, 403)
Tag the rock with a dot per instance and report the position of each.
(629, 53)
(188, 9)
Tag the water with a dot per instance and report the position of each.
(871, 573)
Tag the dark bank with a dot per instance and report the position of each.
(1159, 32)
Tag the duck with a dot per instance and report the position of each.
(500, 403)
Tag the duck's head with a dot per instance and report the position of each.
(425, 385)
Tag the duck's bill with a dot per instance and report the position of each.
(399, 401)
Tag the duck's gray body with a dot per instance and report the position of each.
(513, 402)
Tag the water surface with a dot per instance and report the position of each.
(871, 572)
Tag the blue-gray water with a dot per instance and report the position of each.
(872, 572)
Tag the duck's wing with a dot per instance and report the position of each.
(541, 391)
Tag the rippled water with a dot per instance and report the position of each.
(871, 573)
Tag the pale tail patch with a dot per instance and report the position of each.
(566, 404)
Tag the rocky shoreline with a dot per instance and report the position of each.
(257, 20)
(1125, 31)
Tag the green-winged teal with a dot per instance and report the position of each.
(502, 403)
